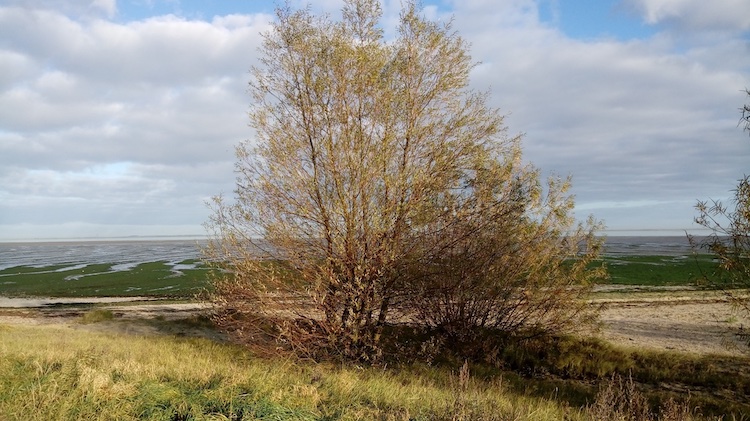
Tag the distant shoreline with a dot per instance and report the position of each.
(123, 239)
(204, 237)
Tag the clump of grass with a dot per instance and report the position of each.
(565, 365)
(96, 316)
(620, 400)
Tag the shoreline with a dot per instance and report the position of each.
(46, 302)
(689, 321)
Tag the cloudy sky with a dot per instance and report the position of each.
(119, 117)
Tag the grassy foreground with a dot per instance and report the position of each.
(60, 373)
(64, 372)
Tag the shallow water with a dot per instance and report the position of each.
(122, 254)
(635, 246)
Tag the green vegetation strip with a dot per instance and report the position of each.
(105, 280)
(659, 270)
(160, 279)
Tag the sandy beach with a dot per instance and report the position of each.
(700, 322)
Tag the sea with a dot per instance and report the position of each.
(133, 252)
(649, 245)
(87, 252)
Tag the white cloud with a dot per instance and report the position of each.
(631, 121)
(77, 8)
(16, 66)
(135, 123)
(697, 14)
(109, 7)
(80, 97)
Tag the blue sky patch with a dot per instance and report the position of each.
(130, 10)
(594, 19)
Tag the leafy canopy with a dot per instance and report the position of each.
(379, 188)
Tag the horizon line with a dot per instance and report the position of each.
(648, 232)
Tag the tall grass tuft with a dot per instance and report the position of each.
(620, 400)
(96, 316)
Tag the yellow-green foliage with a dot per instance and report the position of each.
(96, 316)
(61, 373)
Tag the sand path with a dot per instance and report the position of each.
(683, 320)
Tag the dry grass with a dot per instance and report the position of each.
(105, 371)
(57, 372)
(620, 400)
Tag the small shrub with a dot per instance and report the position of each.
(620, 400)
(96, 316)
(391, 191)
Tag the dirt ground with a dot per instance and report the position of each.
(683, 320)
(702, 322)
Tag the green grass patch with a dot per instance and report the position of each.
(145, 279)
(161, 279)
(20, 270)
(568, 367)
(96, 316)
(659, 270)
(576, 358)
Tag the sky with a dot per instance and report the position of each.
(119, 118)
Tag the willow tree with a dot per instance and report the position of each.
(369, 154)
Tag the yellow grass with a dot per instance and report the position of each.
(66, 373)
